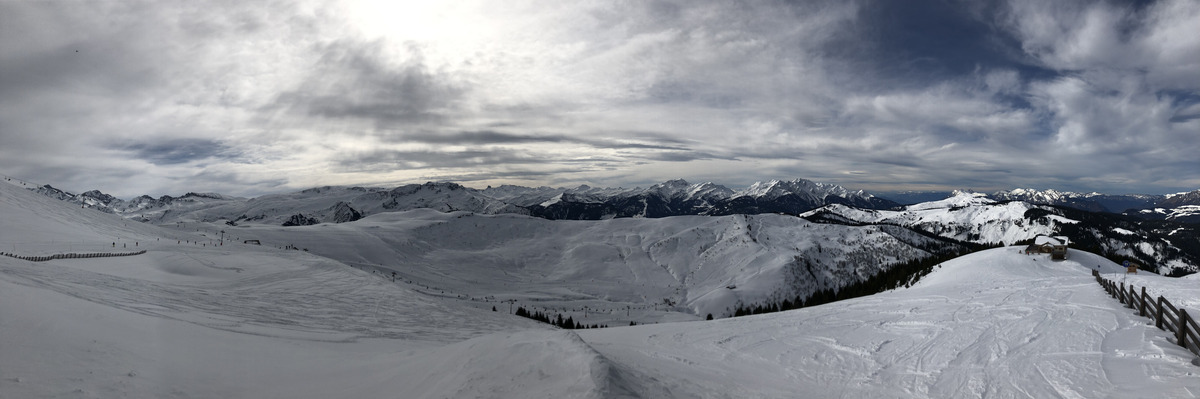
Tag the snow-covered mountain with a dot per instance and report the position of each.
(1053, 197)
(678, 197)
(913, 197)
(1180, 199)
(1094, 202)
(796, 196)
(969, 217)
(670, 198)
(693, 265)
(143, 207)
(529, 196)
(1166, 248)
(966, 216)
(315, 205)
(192, 319)
(1182, 213)
(1179, 207)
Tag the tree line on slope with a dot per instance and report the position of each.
(899, 275)
(569, 323)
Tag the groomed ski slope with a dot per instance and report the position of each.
(994, 324)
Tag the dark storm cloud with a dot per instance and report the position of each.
(516, 174)
(943, 92)
(179, 151)
(492, 137)
(354, 79)
(430, 159)
(680, 156)
(911, 44)
(908, 162)
(434, 159)
(481, 137)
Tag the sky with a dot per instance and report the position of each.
(248, 98)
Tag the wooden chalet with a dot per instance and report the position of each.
(1055, 246)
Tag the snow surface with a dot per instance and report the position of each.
(1056, 240)
(964, 217)
(190, 320)
(991, 324)
(1182, 292)
(622, 270)
(958, 199)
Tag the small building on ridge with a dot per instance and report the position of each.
(1056, 246)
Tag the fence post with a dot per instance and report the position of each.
(1143, 300)
(1133, 298)
(1159, 317)
(1181, 332)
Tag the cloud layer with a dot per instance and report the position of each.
(247, 98)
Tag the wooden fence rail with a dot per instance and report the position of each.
(1166, 316)
(72, 255)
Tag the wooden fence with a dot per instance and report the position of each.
(1166, 316)
(72, 255)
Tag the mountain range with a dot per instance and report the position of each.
(1161, 235)
(340, 204)
(427, 303)
(671, 198)
(1163, 246)
(1181, 207)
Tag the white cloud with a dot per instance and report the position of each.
(251, 97)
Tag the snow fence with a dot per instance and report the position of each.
(1166, 316)
(72, 255)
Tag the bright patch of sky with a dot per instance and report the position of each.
(248, 98)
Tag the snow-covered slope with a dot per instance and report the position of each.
(691, 264)
(189, 319)
(1183, 213)
(678, 197)
(965, 217)
(1092, 202)
(991, 324)
(330, 204)
(1052, 197)
(1179, 207)
(1180, 199)
(1167, 249)
(322, 204)
(809, 190)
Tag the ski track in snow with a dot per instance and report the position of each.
(1009, 326)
